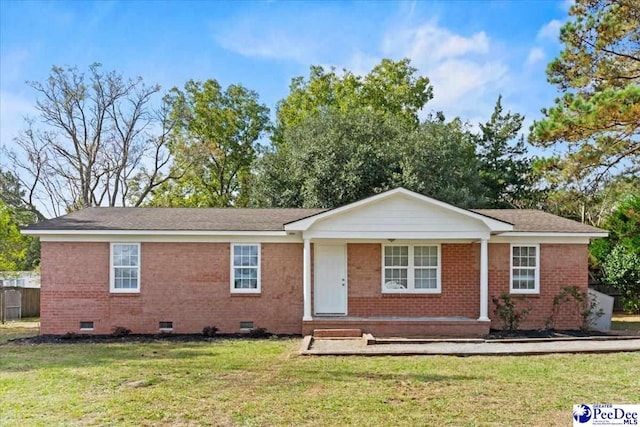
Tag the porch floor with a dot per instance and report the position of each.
(392, 318)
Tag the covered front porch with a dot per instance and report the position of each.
(398, 263)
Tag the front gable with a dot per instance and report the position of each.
(398, 214)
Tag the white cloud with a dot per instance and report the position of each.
(550, 31)
(535, 55)
(429, 43)
(465, 71)
(271, 45)
(458, 81)
(304, 40)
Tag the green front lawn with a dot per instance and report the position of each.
(13, 329)
(245, 382)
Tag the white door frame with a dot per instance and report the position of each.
(345, 288)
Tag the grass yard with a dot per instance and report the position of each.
(17, 329)
(264, 383)
(626, 322)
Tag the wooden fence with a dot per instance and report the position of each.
(30, 302)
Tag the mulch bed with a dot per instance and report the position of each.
(545, 333)
(141, 338)
(171, 337)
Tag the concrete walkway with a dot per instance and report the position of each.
(367, 346)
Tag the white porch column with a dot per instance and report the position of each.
(306, 280)
(484, 280)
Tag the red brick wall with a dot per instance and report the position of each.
(460, 285)
(186, 283)
(560, 266)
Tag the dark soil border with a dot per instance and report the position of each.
(546, 333)
(144, 338)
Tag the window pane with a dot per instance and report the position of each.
(125, 278)
(245, 278)
(426, 278)
(524, 278)
(396, 256)
(125, 255)
(425, 256)
(395, 278)
(245, 255)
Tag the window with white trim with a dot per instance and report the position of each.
(525, 269)
(125, 267)
(245, 268)
(411, 268)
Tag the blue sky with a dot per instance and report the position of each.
(471, 50)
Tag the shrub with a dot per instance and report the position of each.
(508, 313)
(622, 271)
(585, 306)
(209, 331)
(259, 333)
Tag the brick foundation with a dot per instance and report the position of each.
(404, 328)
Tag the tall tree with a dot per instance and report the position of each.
(214, 143)
(598, 115)
(334, 158)
(391, 88)
(13, 248)
(391, 94)
(93, 134)
(18, 252)
(505, 171)
(438, 159)
(621, 251)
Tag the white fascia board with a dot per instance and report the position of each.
(305, 223)
(164, 236)
(532, 238)
(137, 238)
(552, 234)
(395, 235)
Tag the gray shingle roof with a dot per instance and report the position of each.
(538, 221)
(215, 219)
(187, 219)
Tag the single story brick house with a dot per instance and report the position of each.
(397, 263)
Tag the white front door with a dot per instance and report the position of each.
(330, 284)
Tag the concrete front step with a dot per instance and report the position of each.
(337, 333)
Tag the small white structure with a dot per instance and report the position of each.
(605, 307)
(20, 279)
